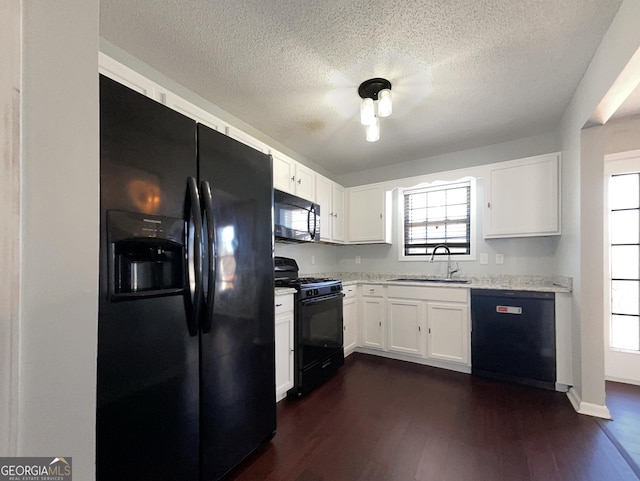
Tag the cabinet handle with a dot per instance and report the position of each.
(278, 305)
(299, 181)
(489, 205)
(381, 216)
(429, 330)
(293, 178)
(344, 328)
(335, 214)
(380, 323)
(419, 329)
(330, 214)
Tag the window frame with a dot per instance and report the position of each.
(441, 255)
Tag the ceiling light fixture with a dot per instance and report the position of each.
(376, 103)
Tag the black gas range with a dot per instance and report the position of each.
(318, 326)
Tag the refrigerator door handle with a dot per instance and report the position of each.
(207, 205)
(193, 272)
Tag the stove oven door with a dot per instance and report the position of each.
(319, 330)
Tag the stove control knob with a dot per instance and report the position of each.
(315, 291)
(309, 293)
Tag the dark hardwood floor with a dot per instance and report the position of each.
(623, 401)
(380, 419)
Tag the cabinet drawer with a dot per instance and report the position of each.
(372, 290)
(349, 291)
(284, 303)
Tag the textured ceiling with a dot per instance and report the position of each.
(465, 73)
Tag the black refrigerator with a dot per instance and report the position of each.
(186, 314)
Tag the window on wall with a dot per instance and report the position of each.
(624, 201)
(434, 215)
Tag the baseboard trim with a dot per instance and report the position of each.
(623, 380)
(465, 369)
(588, 409)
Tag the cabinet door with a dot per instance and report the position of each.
(284, 345)
(405, 318)
(350, 316)
(522, 198)
(372, 320)
(323, 198)
(449, 336)
(284, 173)
(367, 214)
(337, 207)
(306, 183)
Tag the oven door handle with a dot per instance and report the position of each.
(315, 300)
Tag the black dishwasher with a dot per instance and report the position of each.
(513, 336)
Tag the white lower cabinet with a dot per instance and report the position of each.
(449, 335)
(284, 344)
(428, 325)
(372, 322)
(350, 319)
(406, 321)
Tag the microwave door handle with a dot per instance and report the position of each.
(312, 233)
(315, 223)
(193, 268)
(211, 245)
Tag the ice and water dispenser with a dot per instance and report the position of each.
(146, 255)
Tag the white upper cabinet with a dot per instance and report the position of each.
(247, 139)
(305, 182)
(330, 197)
(129, 78)
(338, 226)
(369, 214)
(179, 104)
(522, 198)
(284, 172)
(292, 177)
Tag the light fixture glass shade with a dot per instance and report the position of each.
(384, 103)
(367, 111)
(373, 130)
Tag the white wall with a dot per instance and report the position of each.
(522, 256)
(325, 256)
(489, 154)
(621, 155)
(573, 256)
(60, 228)
(9, 221)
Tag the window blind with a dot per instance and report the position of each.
(437, 215)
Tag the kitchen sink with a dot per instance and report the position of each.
(433, 279)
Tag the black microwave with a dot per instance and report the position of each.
(295, 219)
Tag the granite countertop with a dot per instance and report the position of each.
(517, 283)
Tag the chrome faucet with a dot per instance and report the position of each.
(450, 270)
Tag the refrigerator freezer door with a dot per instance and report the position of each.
(237, 354)
(147, 393)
